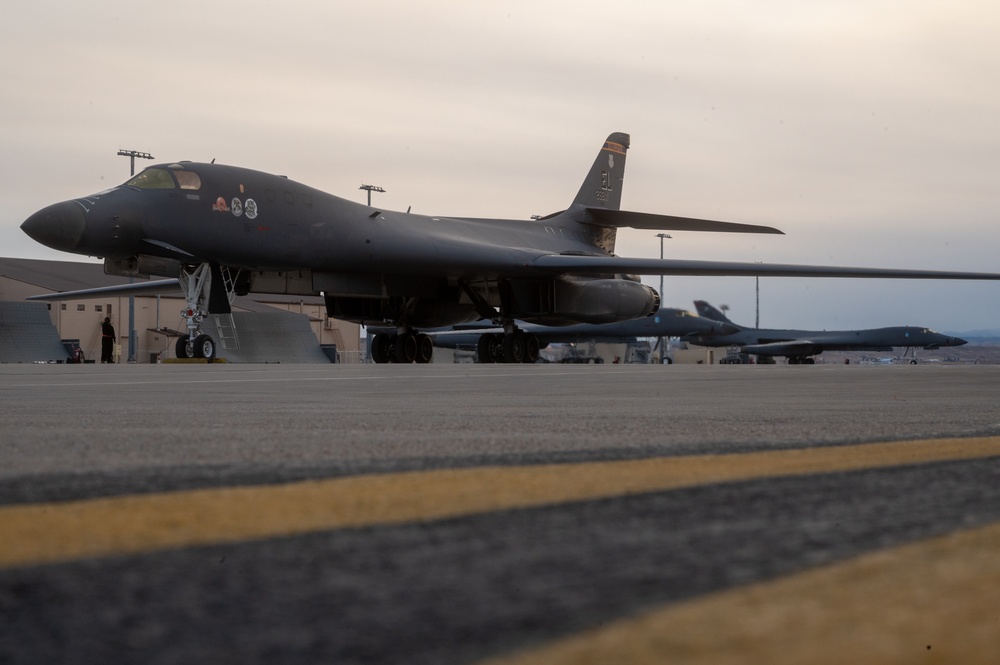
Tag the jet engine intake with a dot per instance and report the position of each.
(143, 265)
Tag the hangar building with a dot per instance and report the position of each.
(269, 328)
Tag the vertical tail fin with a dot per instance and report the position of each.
(602, 188)
(708, 312)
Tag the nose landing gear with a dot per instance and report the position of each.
(202, 292)
(202, 346)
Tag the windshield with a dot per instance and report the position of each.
(188, 179)
(155, 178)
(152, 179)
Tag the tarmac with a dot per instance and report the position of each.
(499, 514)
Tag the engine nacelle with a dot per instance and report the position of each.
(602, 300)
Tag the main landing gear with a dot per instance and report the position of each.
(514, 347)
(510, 346)
(405, 347)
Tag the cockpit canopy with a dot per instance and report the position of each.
(171, 177)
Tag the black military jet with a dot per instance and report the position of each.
(222, 230)
(799, 346)
(488, 339)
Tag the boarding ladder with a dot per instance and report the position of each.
(226, 326)
(224, 323)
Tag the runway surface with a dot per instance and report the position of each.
(502, 514)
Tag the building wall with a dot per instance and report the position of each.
(81, 320)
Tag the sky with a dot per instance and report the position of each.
(868, 131)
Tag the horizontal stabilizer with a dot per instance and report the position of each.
(651, 222)
(161, 286)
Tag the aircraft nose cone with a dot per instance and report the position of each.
(59, 226)
(956, 341)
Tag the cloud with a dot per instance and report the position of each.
(865, 130)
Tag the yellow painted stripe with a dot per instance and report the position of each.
(930, 602)
(40, 533)
(614, 147)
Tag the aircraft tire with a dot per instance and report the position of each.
(181, 347)
(406, 348)
(513, 347)
(530, 349)
(380, 348)
(204, 347)
(484, 348)
(425, 349)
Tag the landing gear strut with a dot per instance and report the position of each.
(510, 346)
(198, 287)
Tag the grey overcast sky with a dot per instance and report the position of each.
(868, 131)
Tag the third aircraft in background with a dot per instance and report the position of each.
(800, 345)
(666, 322)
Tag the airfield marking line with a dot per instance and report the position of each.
(159, 380)
(931, 601)
(63, 531)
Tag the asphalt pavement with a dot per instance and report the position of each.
(453, 514)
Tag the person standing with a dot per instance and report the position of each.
(107, 341)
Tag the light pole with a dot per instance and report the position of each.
(661, 236)
(370, 189)
(757, 291)
(132, 338)
(133, 154)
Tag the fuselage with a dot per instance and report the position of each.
(811, 342)
(371, 265)
(249, 219)
(665, 322)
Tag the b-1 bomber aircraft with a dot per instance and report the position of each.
(488, 339)
(218, 230)
(799, 346)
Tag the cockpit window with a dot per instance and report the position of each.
(188, 179)
(152, 179)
